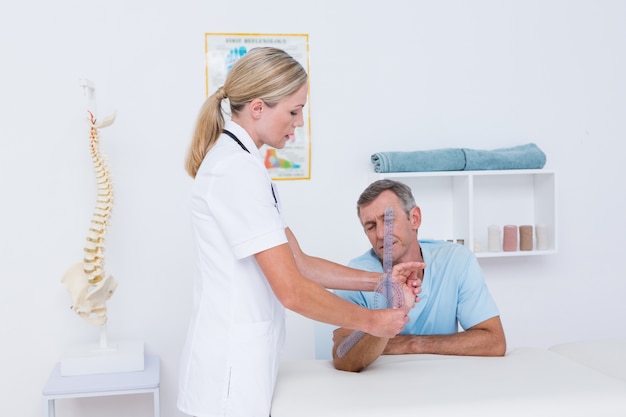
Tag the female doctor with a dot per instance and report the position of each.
(250, 266)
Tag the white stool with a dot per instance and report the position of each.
(100, 385)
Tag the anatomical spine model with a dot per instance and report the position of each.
(88, 284)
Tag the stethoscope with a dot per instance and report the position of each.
(236, 139)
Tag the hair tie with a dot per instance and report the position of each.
(220, 93)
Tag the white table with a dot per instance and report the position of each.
(141, 382)
(526, 382)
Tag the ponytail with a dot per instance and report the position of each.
(208, 129)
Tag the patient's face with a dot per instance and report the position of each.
(372, 218)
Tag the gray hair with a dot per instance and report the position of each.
(402, 191)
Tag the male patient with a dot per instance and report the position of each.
(453, 288)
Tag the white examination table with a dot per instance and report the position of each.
(526, 382)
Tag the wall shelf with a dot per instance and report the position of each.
(461, 205)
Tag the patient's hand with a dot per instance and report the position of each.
(406, 274)
(411, 291)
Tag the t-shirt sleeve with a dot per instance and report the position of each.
(245, 207)
(475, 302)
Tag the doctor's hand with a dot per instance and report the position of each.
(405, 273)
(388, 322)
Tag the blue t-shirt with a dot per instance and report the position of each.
(453, 290)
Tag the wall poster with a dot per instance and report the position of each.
(222, 50)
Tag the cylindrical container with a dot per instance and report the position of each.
(509, 242)
(541, 235)
(526, 237)
(493, 238)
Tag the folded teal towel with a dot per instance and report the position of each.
(527, 156)
(421, 161)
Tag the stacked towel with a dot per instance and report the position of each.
(527, 156)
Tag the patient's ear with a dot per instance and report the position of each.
(415, 217)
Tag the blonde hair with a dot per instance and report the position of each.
(266, 73)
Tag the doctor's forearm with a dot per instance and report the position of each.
(330, 274)
(338, 277)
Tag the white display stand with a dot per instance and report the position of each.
(462, 205)
(103, 358)
(147, 381)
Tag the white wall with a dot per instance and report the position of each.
(394, 75)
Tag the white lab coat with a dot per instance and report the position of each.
(230, 358)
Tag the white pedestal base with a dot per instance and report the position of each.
(95, 359)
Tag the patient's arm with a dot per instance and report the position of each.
(363, 353)
(484, 339)
(369, 347)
